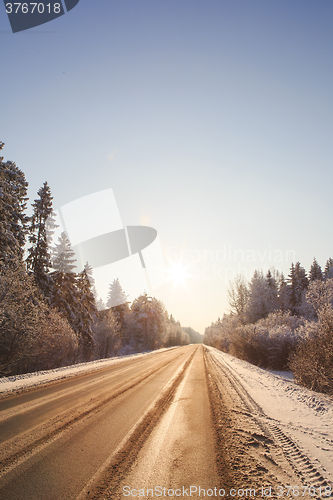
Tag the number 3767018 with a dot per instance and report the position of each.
(33, 8)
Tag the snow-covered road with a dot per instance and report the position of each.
(268, 431)
(19, 383)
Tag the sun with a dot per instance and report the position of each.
(177, 273)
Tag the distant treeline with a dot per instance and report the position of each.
(194, 337)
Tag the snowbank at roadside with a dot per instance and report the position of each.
(305, 416)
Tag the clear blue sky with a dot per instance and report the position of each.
(211, 120)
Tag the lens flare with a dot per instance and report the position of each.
(178, 273)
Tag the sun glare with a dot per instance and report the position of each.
(177, 273)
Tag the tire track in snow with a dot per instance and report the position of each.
(303, 467)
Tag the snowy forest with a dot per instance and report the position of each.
(50, 315)
(281, 324)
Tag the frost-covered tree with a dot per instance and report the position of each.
(148, 313)
(18, 308)
(65, 297)
(328, 272)
(257, 304)
(63, 257)
(106, 334)
(283, 294)
(86, 312)
(320, 295)
(301, 276)
(238, 296)
(100, 304)
(90, 275)
(116, 295)
(297, 286)
(32, 337)
(312, 363)
(174, 333)
(263, 295)
(315, 272)
(267, 343)
(118, 302)
(194, 337)
(221, 333)
(73, 299)
(292, 286)
(13, 220)
(272, 301)
(39, 259)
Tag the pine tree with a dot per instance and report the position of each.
(65, 297)
(63, 257)
(89, 271)
(283, 296)
(38, 260)
(118, 303)
(50, 226)
(328, 272)
(292, 283)
(297, 286)
(100, 304)
(302, 282)
(148, 313)
(272, 291)
(175, 333)
(13, 220)
(86, 313)
(257, 306)
(315, 272)
(116, 294)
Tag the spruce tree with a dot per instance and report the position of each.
(257, 305)
(38, 260)
(116, 294)
(13, 220)
(315, 272)
(65, 298)
(328, 272)
(65, 295)
(297, 286)
(89, 272)
(117, 301)
(272, 291)
(302, 280)
(63, 257)
(283, 296)
(86, 313)
(292, 284)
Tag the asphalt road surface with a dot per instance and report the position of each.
(166, 425)
(57, 439)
